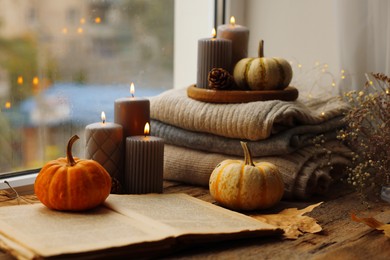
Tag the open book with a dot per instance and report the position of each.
(127, 225)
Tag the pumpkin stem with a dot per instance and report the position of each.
(247, 154)
(69, 155)
(261, 49)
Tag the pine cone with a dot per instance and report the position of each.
(220, 79)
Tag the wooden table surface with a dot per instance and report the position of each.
(341, 237)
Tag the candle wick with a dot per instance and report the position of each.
(104, 121)
(132, 95)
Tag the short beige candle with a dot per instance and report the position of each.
(239, 35)
(144, 163)
(212, 53)
(104, 145)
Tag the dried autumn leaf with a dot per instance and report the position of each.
(373, 223)
(292, 221)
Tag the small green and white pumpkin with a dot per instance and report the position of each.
(262, 73)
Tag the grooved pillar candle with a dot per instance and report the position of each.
(144, 164)
(212, 53)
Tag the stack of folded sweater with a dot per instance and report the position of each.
(199, 135)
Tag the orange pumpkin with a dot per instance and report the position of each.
(71, 184)
(244, 185)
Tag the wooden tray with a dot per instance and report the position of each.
(241, 96)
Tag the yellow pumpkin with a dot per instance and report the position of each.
(262, 73)
(244, 185)
(71, 184)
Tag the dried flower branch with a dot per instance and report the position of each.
(368, 134)
(13, 195)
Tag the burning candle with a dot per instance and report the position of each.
(104, 145)
(239, 35)
(132, 113)
(212, 53)
(144, 163)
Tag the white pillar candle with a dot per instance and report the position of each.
(212, 53)
(239, 35)
(104, 145)
(144, 163)
(132, 113)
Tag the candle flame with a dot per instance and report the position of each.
(103, 117)
(213, 33)
(147, 129)
(132, 89)
(7, 105)
(232, 20)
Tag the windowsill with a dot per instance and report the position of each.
(23, 184)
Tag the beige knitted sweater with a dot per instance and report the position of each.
(251, 121)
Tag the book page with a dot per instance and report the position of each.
(186, 214)
(125, 224)
(47, 232)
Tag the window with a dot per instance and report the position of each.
(63, 62)
(68, 61)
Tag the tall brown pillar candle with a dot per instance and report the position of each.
(212, 53)
(239, 35)
(132, 113)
